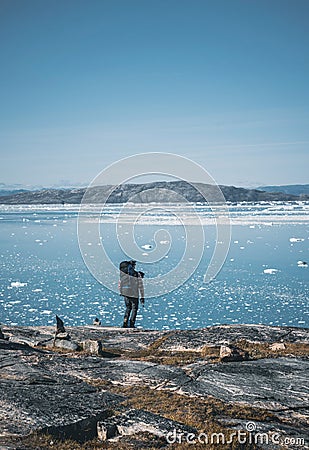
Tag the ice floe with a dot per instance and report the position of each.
(271, 271)
(146, 246)
(18, 284)
(302, 264)
(293, 239)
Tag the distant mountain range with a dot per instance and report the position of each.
(294, 189)
(5, 192)
(11, 189)
(158, 192)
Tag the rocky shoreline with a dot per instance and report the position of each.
(106, 387)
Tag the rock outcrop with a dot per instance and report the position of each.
(136, 421)
(82, 392)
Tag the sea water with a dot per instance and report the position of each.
(262, 281)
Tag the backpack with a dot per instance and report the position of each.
(124, 277)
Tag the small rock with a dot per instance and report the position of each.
(97, 322)
(277, 346)
(59, 325)
(232, 353)
(1, 334)
(106, 431)
(66, 345)
(92, 347)
(63, 336)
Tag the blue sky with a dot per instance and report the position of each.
(84, 83)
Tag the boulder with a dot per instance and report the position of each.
(91, 346)
(276, 346)
(232, 353)
(65, 345)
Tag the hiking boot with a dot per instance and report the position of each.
(132, 325)
(125, 324)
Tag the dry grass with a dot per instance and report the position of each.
(174, 358)
(196, 412)
(258, 350)
(153, 353)
(201, 414)
(211, 353)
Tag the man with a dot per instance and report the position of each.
(131, 288)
